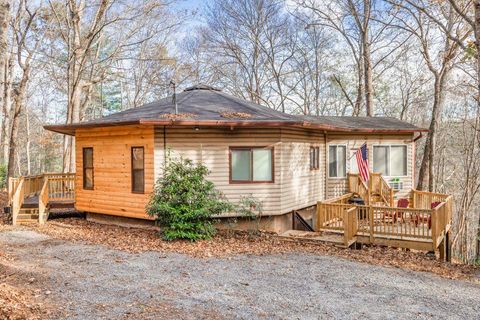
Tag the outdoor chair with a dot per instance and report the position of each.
(417, 219)
(395, 215)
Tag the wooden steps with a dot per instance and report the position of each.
(28, 214)
(333, 238)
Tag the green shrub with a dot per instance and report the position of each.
(184, 201)
(3, 175)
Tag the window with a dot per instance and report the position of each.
(314, 158)
(88, 168)
(390, 161)
(249, 165)
(337, 160)
(138, 170)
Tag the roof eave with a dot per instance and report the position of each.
(70, 129)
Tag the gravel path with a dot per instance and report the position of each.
(94, 282)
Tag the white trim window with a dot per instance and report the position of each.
(337, 161)
(390, 160)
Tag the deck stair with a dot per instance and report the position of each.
(333, 238)
(31, 198)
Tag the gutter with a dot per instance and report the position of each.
(70, 128)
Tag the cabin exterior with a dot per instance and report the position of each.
(302, 168)
(287, 162)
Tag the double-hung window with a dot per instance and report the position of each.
(390, 161)
(138, 170)
(337, 161)
(251, 164)
(87, 168)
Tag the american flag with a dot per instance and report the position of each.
(362, 162)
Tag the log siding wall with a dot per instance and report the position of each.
(112, 193)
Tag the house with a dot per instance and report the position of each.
(288, 162)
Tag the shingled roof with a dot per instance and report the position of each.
(208, 106)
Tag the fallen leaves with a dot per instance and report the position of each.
(228, 243)
(16, 303)
(178, 116)
(235, 115)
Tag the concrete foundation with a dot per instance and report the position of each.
(277, 224)
(121, 221)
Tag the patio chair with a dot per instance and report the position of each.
(417, 219)
(401, 203)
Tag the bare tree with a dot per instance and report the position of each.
(27, 40)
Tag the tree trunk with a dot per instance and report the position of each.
(429, 154)
(367, 60)
(17, 110)
(4, 19)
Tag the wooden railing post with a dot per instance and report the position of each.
(319, 215)
(392, 198)
(43, 203)
(371, 220)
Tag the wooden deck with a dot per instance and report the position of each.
(423, 225)
(31, 198)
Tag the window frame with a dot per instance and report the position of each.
(390, 158)
(250, 148)
(132, 170)
(315, 161)
(85, 168)
(345, 164)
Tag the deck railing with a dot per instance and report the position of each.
(48, 187)
(424, 199)
(356, 185)
(388, 222)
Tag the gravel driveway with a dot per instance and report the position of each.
(94, 282)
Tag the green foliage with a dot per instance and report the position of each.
(184, 201)
(3, 175)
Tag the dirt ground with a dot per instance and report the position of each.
(81, 280)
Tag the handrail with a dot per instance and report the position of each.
(17, 200)
(386, 192)
(48, 187)
(43, 203)
(356, 185)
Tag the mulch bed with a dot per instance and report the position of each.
(228, 243)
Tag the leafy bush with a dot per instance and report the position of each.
(184, 201)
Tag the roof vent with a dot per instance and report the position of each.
(201, 87)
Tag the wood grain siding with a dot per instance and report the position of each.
(338, 186)
(112, 166)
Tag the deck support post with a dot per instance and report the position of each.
(441, 248)
(448, 247)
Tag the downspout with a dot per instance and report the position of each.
(326, 167)
(164, 145)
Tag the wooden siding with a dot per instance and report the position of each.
(112, 192)
(338, 186)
